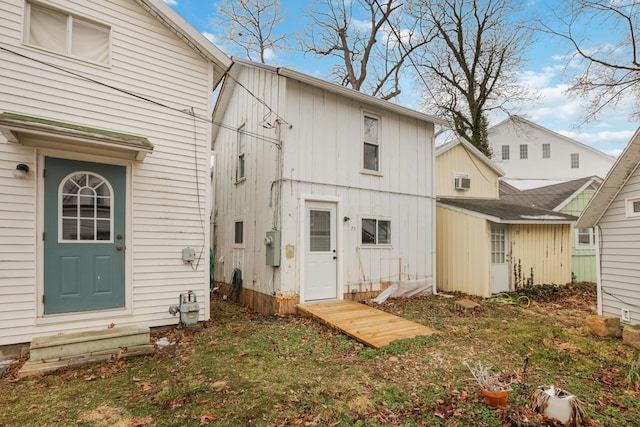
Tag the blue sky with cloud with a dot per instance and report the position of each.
(546, 73)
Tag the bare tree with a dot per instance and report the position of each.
(470, 67)
(611, 69)
(251, 26)
(371, 52)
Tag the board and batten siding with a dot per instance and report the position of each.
(543, 250)
(463, 253)
(169, 191)
(320, 158)
(619, 252)
(484, 180)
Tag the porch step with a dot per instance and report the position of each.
(75, 344)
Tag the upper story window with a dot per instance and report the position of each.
(575, 160)
(376, 231)
(241, 150)
(371, 139)
(461, 181)
(546, 151)
(66, 34)
(585, 238)
(524, 151)
(505, 152)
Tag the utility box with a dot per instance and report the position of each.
(272, 244)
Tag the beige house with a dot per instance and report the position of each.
(485, 245)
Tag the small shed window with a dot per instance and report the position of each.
(371, 139)
(376, 231)
(524, 151)
(60, 32)
(546, 151)
(505, 152)
(585, 238)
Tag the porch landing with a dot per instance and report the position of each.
(368, 325)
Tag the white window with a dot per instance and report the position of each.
(371, 138)
(376, 231)
(524, 151)
(575, 160)
(546, 151)
(633, 207)
(238, 233)
(60, 32)
(85, 201)
(505, 152)
(241, 150)
(585, 238)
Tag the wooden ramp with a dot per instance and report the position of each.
(368, 325)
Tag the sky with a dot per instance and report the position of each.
(542, 73)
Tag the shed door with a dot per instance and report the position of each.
(320, 256)
(84, 226)
(499, 260)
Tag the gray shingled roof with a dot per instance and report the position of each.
(507, 212)
(547, 197)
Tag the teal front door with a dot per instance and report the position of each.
(84, 207)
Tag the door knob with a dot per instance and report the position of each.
(119, 247)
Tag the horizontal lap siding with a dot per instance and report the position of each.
(169, 188)
(619, 254)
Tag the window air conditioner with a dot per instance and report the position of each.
(461, 183)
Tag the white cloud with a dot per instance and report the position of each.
(173, 3)
(211, 37)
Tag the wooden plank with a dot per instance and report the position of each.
(368, 325)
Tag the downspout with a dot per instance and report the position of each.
(598, 268)
(433, 214)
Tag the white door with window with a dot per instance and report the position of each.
(499, 260)
(320, 277)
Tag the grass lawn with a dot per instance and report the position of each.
(243, 369)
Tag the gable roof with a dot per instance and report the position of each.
(520, 121)
(238, 63)
(443, 148)
(192, 37)
(552, 197)
(504, 212)
(622, 169)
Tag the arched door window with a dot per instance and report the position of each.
(86, 202)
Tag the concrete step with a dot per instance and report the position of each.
(74, 344)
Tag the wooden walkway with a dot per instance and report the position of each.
(368, 325)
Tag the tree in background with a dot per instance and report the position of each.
(370, 53)
(611, 70)
(470, 66)
(251, 26)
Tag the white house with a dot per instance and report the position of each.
(104, 164)
(322, 192)
(614, 211)
(532, 156)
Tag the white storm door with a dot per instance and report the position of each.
(320, 252)
(499, 260)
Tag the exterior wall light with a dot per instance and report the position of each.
(21, 171)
